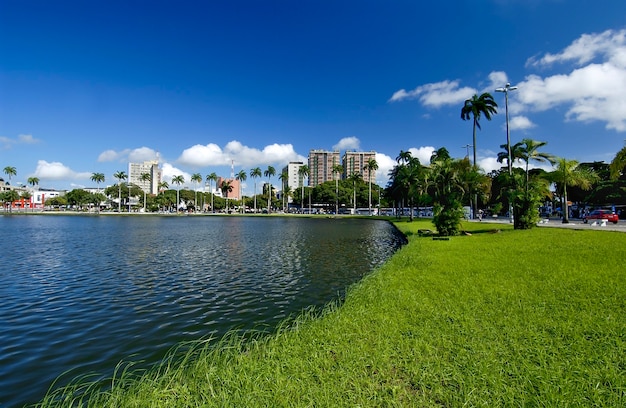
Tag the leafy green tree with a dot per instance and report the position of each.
(406, 178)
(255, 173)
(618, 164)
(178, 180)
(120, 175)
(448, 192)
(78, 197)
(569, 173)
(269, 173)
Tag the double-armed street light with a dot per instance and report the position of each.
(506, 90)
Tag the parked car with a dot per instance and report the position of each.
(608, 215)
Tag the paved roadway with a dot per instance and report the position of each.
(573, 224)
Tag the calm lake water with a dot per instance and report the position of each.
(82, 293)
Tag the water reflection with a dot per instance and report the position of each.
(83, 293)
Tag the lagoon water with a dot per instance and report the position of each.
(80, 294)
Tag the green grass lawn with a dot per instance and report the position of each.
(495, 318)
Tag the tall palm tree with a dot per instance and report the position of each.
(145, 177)
(10, 171)
(284, 178)
(370, 166)
(403, 157)
(303, 172)
(241, 177)
(569, 173)
(226, 188)
(178, 180)
(474, 108)
(120, 175)
(337, 171)
(355, 178)
(97, 178)
(271, 171)
(255, 173)
(211, 178)
(196, 178)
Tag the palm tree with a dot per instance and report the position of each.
(569, 173)
(120, 175)
(618, 164)
(271, 171)
(255, 173)
(529, 151)
(10, 171)
(33, 181)
(145, 177)
(226, 188)
(405, 178)
(96, 178)
(303, 172)
(371, 165)
(241, 176)
(403, 157)
(337, 171)
(355, 178)
(284, 178)
(476, 106)
(196, 178)
(211, 177)
(178, 180)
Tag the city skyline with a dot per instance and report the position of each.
(88, 88)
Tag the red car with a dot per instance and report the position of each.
(608, 215)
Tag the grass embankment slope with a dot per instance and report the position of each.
(514, 318)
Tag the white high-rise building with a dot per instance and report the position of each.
(135, 171)
(294, 179)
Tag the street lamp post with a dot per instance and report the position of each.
(506, 90)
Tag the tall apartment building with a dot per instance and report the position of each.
(321, 164)
(135, 170)
(294, 179)
(234, 183)
(354, 163)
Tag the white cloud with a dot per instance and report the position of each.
(348, 143)
(436, 94)
(520, 123)
(593, 92)
(142, 154)
(7, 143)
(385, 164)
(170, 171)
(422, 153)
(586, 48)
(212, 155)
(138, 155)
(57, 171)
(111, 155)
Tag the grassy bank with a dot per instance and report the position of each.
(508, 318)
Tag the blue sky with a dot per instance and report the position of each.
(89, 86)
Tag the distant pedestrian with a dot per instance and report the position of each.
(480, 215)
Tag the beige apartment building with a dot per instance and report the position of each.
(135, 170)
(355, 162)
(321, 164)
